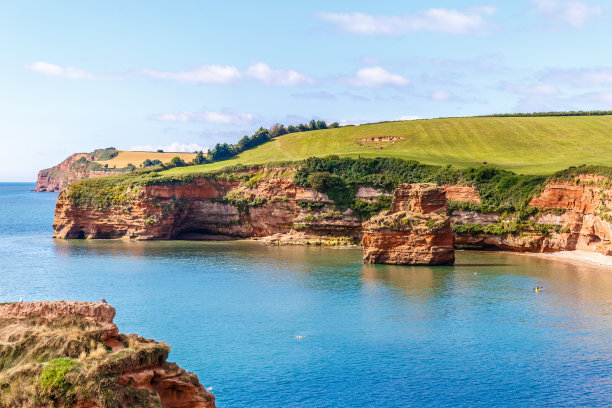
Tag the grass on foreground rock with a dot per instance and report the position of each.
(61, 361)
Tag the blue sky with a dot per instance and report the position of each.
(77, 75)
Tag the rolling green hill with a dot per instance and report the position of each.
(530, 145)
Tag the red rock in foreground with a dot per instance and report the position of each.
(416, 231)
(104, 368)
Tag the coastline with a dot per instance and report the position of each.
(576, 257)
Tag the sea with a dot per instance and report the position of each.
(313, 327)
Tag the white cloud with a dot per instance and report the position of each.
(278, 77)
(173, 147)
(46, 68)
(409, 117)
(436, 19)
(224, 117)
(574, 13)
(441, 96)
(203, 74)
(373, 77)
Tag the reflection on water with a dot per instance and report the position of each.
(371, 335)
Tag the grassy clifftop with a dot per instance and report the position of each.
(530, 145)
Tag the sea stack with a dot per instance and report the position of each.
(415, 231)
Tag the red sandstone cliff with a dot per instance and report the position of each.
(573, 215)
(71, 170)
(579, 212)
(209, 207)
(416, 231)
(132, 372)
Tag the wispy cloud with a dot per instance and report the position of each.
(278, 77)
(441, 96)
(46, 68)
(574, 13)
(203, 74)
(322, 95)
(223, 117)
(470, 21)
(409, 117)
(579, 76)
(374, 77)
(173, 147)
(531, 89)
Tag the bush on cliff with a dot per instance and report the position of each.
(500, 190)
(53, 377)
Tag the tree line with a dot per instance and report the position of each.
(539, 114)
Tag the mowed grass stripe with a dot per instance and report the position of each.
(530, 145)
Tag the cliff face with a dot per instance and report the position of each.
(416, 231)
(567, 215)
(75, 168)
(71, 354)
(576, 215)
(210, 208)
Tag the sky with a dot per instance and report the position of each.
(185, 75)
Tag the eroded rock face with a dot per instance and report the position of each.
(209, 207)
(416, 231)
(462, 193)
(130, 371)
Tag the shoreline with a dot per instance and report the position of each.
(575, 257)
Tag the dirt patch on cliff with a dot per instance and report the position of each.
(380, 139)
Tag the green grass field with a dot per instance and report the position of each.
(529, 145)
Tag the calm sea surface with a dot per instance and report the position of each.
(372, 336)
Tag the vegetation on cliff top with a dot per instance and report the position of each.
(530, 145)
(501, 191)
(62, 361)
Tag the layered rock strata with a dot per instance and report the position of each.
(416, 231)
(211, 208)
(99, 366)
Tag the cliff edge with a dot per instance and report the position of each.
(71, 354)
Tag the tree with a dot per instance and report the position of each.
(146, 163)
(291, 129)
(334, 125)
(130, 167)
(321, 124)
(160, 151)
(177, 162)
(277, 130)
(302, 127)
(312, 125)
(200, 158)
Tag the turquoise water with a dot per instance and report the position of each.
(372, 336)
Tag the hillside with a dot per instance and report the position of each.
(125, 157)
(530, 145)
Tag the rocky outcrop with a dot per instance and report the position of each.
(416, 231)
(102, 367)
(76, 167)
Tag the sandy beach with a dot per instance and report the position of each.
(580, 257)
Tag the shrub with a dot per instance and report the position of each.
(53, 376)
